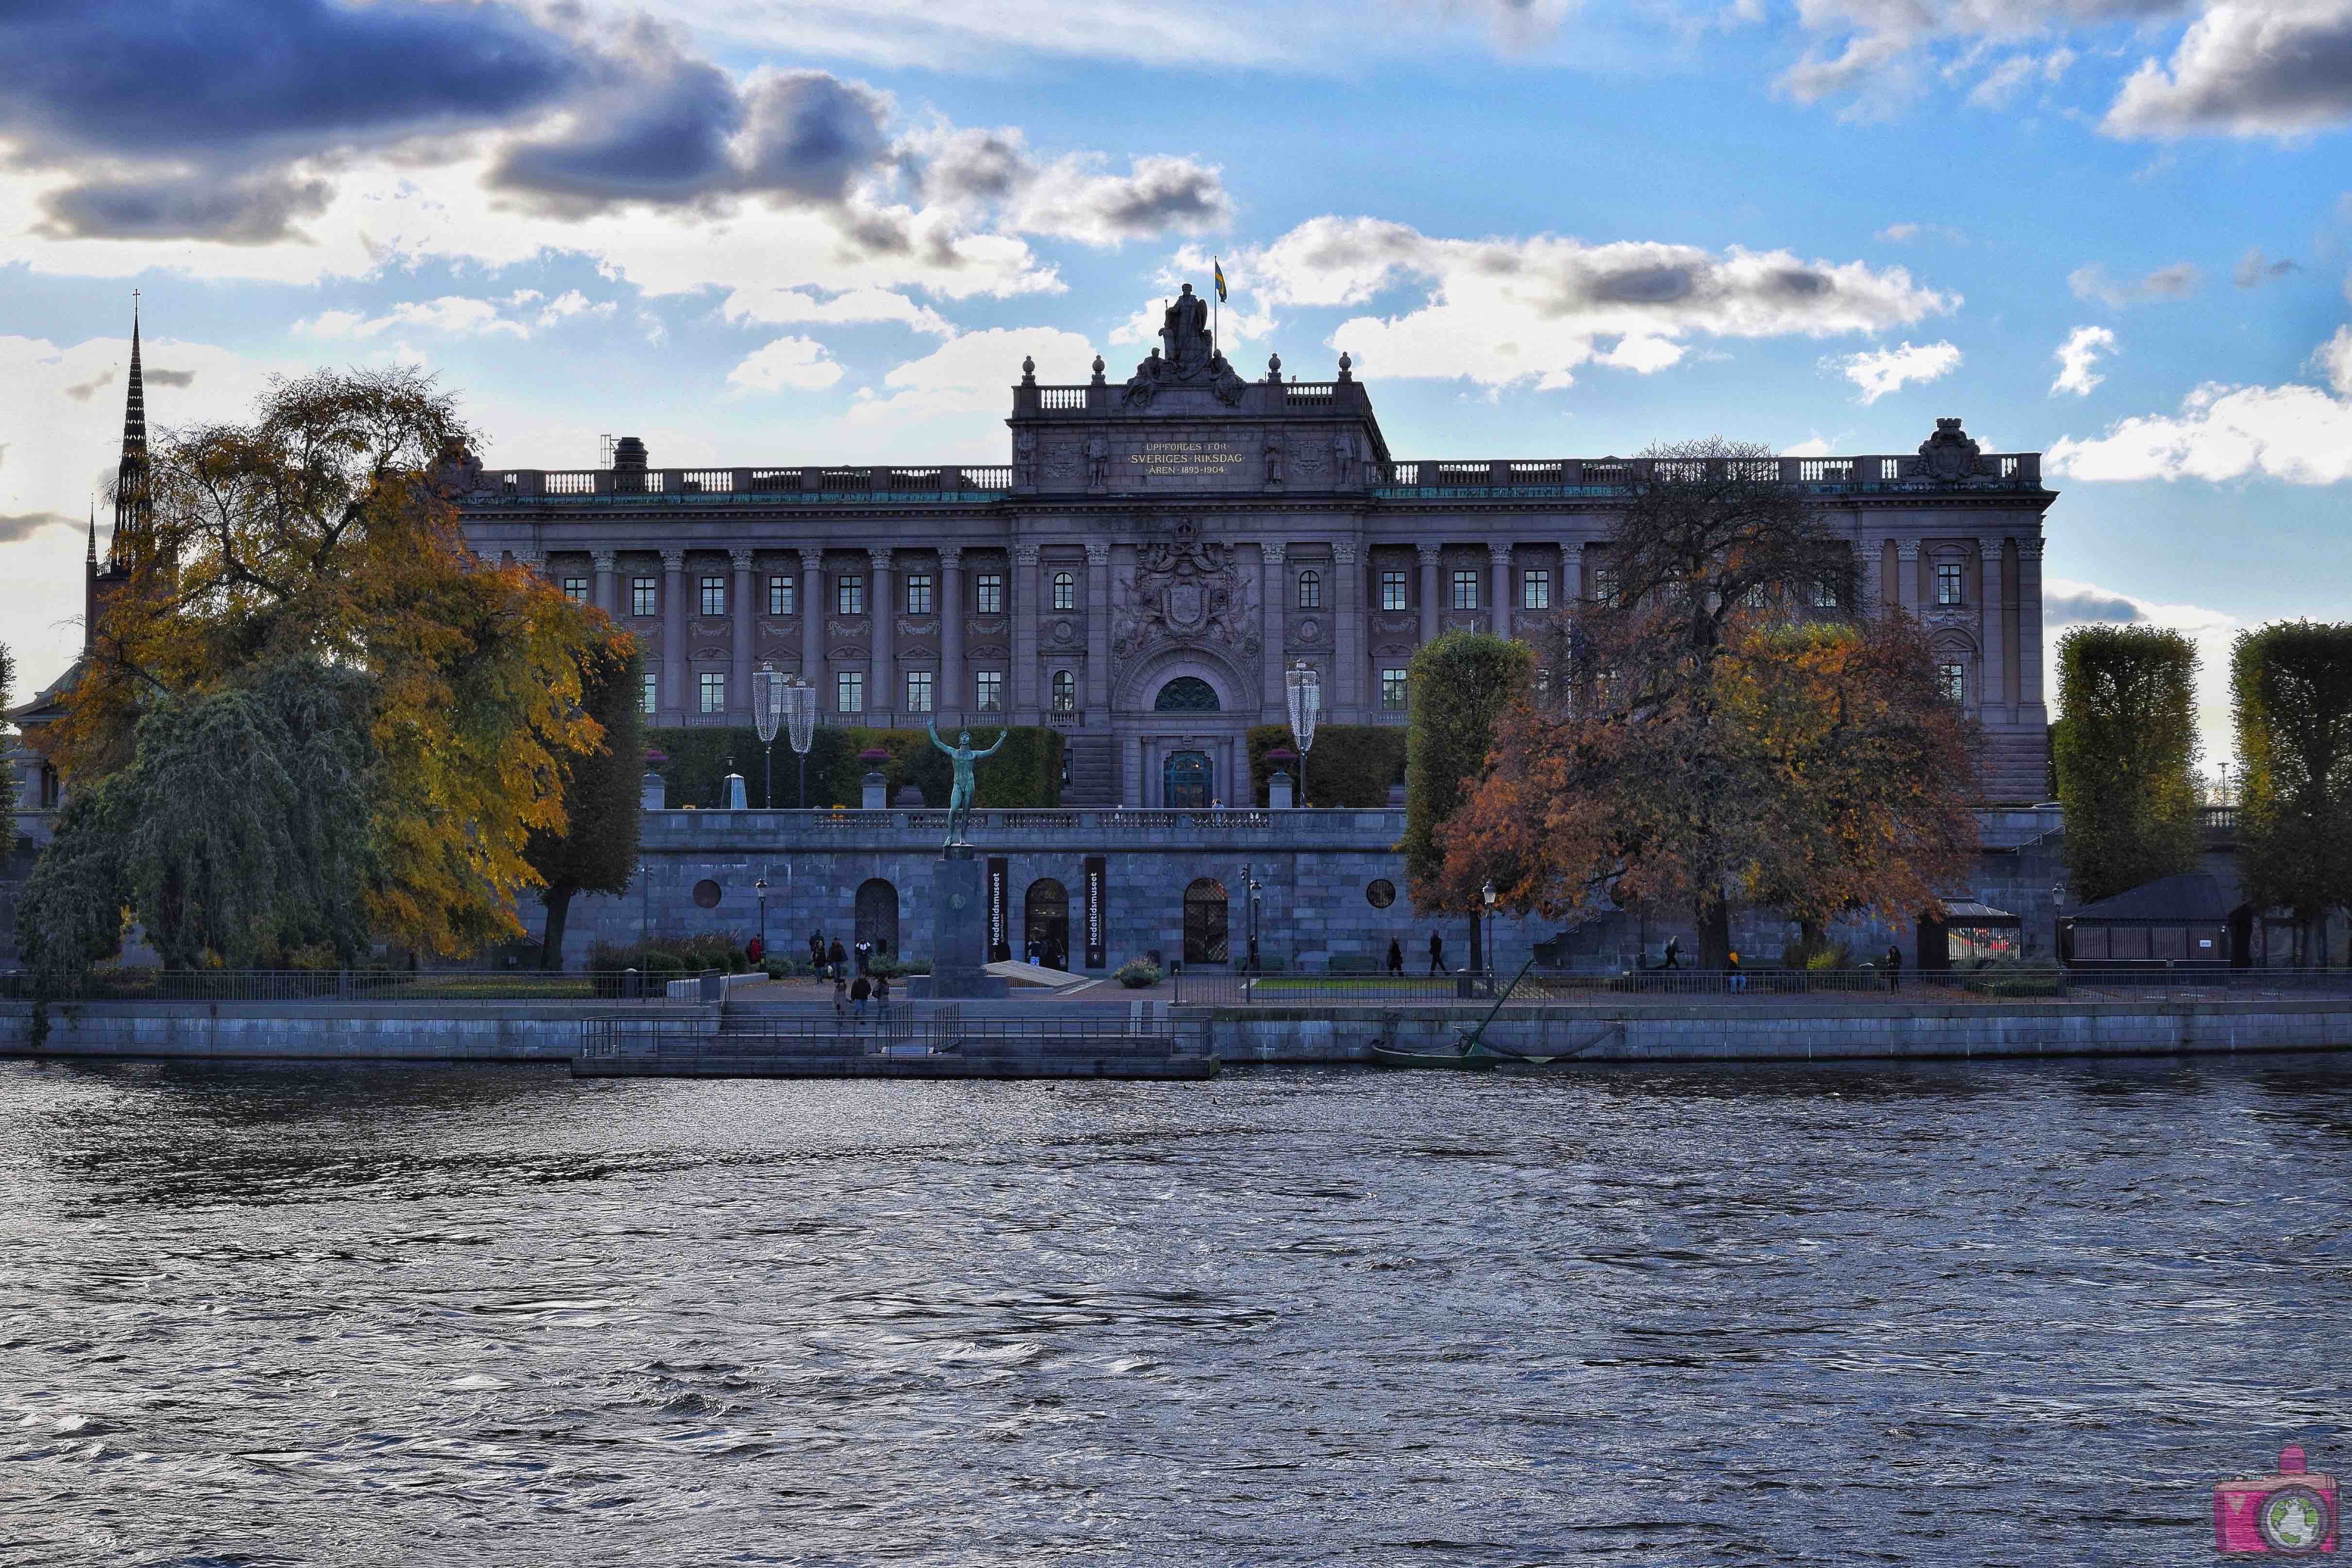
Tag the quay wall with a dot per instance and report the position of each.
(262, 1032)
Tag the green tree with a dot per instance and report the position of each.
(597, 850)
(2126, 750)
(1458, 686)
(2290, 690)
(77, 902)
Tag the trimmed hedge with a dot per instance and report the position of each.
(1026, 773)
(1351, 764)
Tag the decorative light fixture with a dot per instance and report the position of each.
(800, 724)
(1303, 684)
(767, 713)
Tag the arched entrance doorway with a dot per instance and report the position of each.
(1204, 922)
(1045, 923)
(877, 916)
(1186, 780)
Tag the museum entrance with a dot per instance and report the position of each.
(1204, 922)
(1045, 923)
(877, 916)
(1186, 780)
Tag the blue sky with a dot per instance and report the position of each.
(2116, 231)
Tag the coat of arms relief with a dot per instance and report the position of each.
(1187, 591)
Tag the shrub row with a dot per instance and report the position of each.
(1026, 773)
(1350, 764)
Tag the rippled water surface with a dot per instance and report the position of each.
(1997, 1315)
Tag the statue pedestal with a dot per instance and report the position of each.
(959, 931)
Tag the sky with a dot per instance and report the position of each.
(2117, 232)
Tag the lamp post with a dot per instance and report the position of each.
(800, 727)
(767, 713)
(2057, 913)
(1249, 916)
(1487, 938)
(760, 888)
(1303, 684)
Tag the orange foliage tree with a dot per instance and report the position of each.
(1728, 726)
(315, 533)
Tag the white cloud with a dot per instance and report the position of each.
(782, 307)
(2177, 280)
(1073, 199)
(2075, 356)
(1812, 447)
(1882, 371)
(572, 302)
(1503, 310)
(799, 363)
(452, 313)
(2298, 434)
(1905, 233)
(975, 375)
(2255, 68)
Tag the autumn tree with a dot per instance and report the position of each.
(2291, 688)
(596, 852)
(2125, 746)
(1724, 724)
(317, 534)
(1458, 686)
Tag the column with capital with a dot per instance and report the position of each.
(882, 696)
(812, 607)
(1348, 627)
(951, 698)
(1097, 634)
(1273, 628)
(1992, 700)
(1430, 556)
(605, 598)
(531, 560)
(1571, 574)
(1026, 602)
(673, 607)
(2031, 709)
(1907, 574)
(744, 622)
(1500, 556)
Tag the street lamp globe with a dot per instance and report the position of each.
(767, 713)
(799, 701)
(1302, 683)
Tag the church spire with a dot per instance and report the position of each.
(134, 508)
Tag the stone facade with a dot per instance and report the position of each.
(1330, 887)
(1157, 552)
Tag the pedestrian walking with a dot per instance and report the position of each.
(840, 995)
(1396, 958)
(1893, 967)
(1737, 982)
(860, 989)
(817, 951)
(837, 957)
(864, 951)
(882, 999)
(755, 951)
(1436, 953)
(1674, 953)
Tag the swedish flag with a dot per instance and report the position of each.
(1220, 273)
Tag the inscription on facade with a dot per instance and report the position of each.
(1188, 460)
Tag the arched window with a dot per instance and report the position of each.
(1065, 590)
(1045, 923)
(1065, 691)
(1186, 783)
(1187, 694)
(1310, 590)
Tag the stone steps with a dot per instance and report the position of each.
(1093, 780)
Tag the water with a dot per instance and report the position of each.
(2013, 1314)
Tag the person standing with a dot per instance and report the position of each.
(755, 952)
(882, 999)
(1396, 958)
(1736, 981)
(860, 989)
(840, 995)
(1893, 967)
(1436, 953)
(838, 958)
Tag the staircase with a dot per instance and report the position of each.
(1094, 781)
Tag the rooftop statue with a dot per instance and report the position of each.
(1184, 333)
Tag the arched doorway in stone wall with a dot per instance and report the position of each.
(877, 916)
(1187, 782)
(1205, 938)
(1045, 922)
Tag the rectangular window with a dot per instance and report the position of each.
(1393, 590)
(918, 593)
(988, 594)
(1535, 589)
(653, 690)
(780, 595)
(1948, 582)
(714, 596)
(1825, 595)
(1954, 679)
(1392, 688)
(1465, 590)
(988, 686)
(849, 599)
(645, 596)
(849, 691)
(1605, 585)
(714, 691)
(576, 590)
(918, 691)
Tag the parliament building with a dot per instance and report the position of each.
(1157, 551)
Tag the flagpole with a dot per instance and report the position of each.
(1216, 297)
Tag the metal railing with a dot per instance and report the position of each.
(330, 987)
(1605, 474)
(807, 484)
(821, 1031)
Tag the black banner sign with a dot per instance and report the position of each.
(1098, 911)
(1000, 910)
